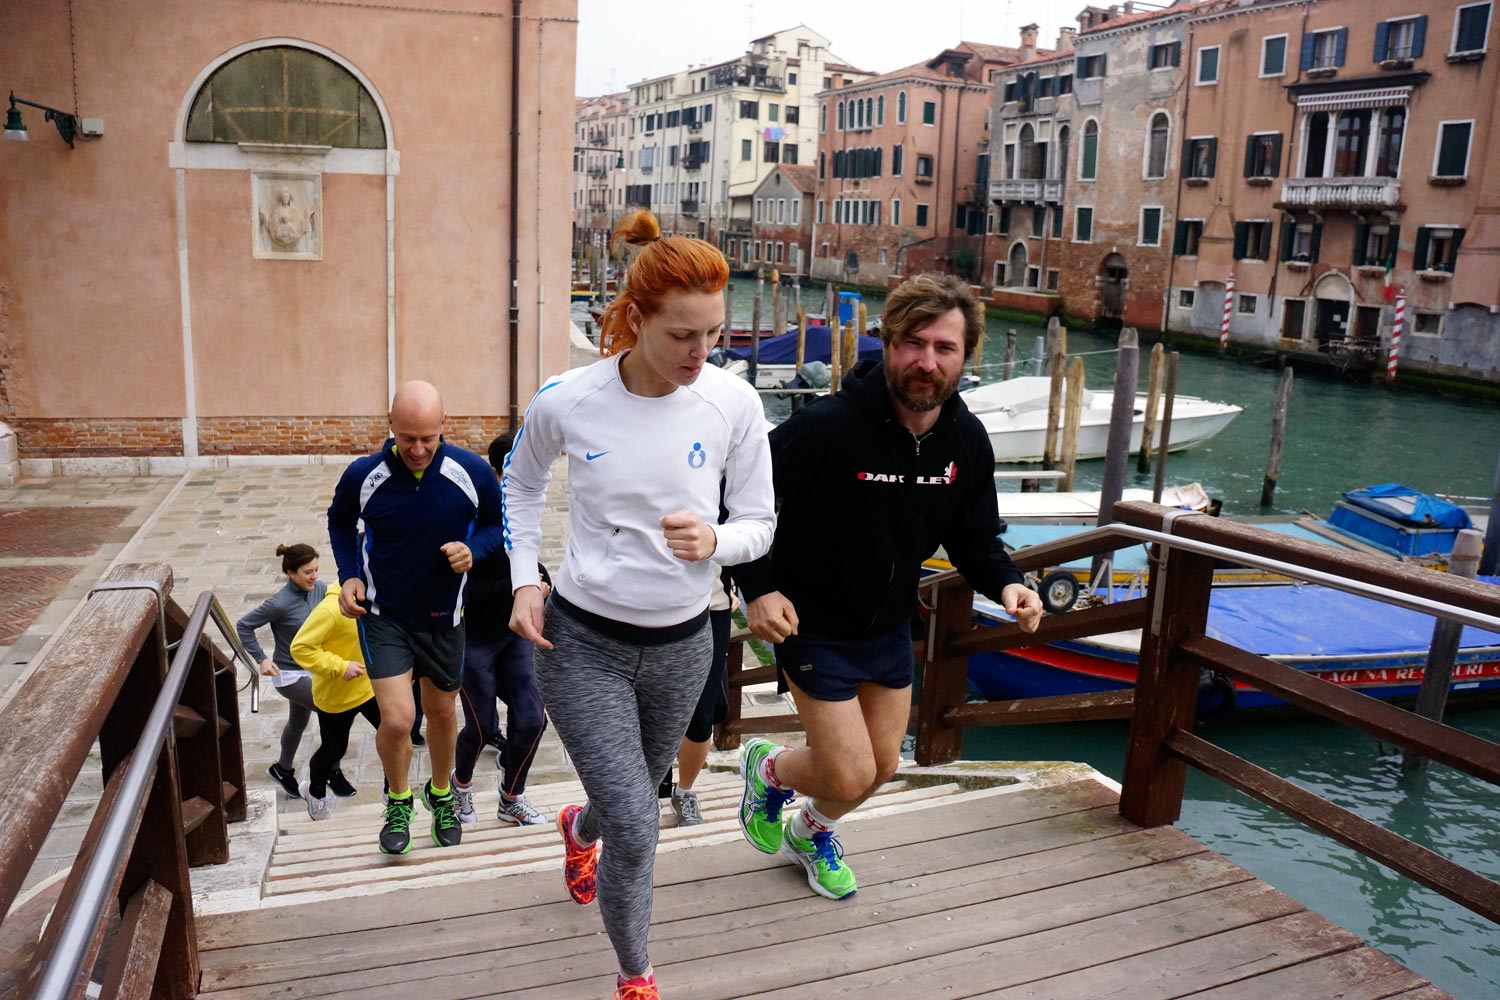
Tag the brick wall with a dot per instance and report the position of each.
(162, 437)
(85, 437)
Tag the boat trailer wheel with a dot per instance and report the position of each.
(1059, 591)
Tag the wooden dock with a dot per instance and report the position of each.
(1003, 891)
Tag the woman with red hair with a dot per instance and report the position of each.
(623, 643)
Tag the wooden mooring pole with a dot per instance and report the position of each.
(1072, 417)
(1437, 673)
(979, 344)
(1166, 429)
(1153, 402)
(778, 305)
(1057, 362)
(1278, 435)
(1489, 561)
(1010, 354)
(754, 339)
(728, 314)
(1121, 419)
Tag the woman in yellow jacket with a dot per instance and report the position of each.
(327, 647)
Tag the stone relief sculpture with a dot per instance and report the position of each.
(286, 218)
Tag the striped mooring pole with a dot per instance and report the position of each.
(1228, 305)
(1396, 328)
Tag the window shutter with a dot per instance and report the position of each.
(1179, 240)
(1340, 46)
(1276, 155)
(1103, 59)
(1394, 242)
(1250, 142)
(1458, 240)
(1176, 53)
(1288, 228)
(1418, 37)
(1309, 46)
(1187, 158)
(1361, 245)
(1317, 240)
(1419, 255)
(879, 155)
(1213, 156)
(1241, 237)
(1382, 41)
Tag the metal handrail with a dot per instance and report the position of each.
(1423, 605)
(64, 965)
(240, 652)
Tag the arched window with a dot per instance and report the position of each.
(1015, 272)
(1088, 167)
(841, 116)
(869, 111)
(901, 108)
(880, 110)
(1062, 152)
(1156, 147)
(1026, 154)
(287, 96)
(822, 118)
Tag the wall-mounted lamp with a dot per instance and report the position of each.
(15, 128)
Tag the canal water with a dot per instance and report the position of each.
(1340, 436)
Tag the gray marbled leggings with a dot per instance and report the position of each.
(299, 710)
(621, 710)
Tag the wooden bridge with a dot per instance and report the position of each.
(972, 884)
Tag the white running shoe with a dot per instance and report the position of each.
(519, 812)
(317, 809)
(466, 814)
(685, 805)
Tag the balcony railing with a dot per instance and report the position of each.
(691, 163)
(1340, 192)
(690, 206)
(1028, 190)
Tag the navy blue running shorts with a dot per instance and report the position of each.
(833, 669)
(392, 650)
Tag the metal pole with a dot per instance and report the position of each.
(1121, 419)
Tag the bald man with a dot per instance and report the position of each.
(405, 525)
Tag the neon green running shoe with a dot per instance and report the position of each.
(761, 803)
(823, 857)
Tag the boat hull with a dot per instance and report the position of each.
(1025, 441)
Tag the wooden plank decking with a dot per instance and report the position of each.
(1033, 893)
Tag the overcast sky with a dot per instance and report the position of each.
(621, 42)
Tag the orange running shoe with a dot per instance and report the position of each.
(580, 864)
(636, 989)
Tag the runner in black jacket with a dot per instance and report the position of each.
(871, 482)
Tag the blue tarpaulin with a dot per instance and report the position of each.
(782, 350)
(1409, 506)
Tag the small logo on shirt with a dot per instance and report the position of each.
(697, 457)
(950, 474)
(589, 456)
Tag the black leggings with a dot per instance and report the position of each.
(334, 728)
(713, 703)
(499, 668)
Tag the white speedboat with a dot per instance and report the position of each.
(1014, 414)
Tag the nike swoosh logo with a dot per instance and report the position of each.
(589, 456)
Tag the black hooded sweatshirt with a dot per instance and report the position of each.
(864, 502)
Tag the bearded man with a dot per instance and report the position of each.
(871, 482)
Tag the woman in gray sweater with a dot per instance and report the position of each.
(285, 611)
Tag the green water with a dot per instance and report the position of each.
(1340, 436)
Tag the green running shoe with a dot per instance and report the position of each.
(447, 831)
(761, 803)
(823, 857)
(395, 836)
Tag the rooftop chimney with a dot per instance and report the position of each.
(1065, 38)
(1028, 42)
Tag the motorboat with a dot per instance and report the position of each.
(1014, 414)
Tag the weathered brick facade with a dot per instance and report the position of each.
(162, 438)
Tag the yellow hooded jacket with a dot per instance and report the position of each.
(324, 645)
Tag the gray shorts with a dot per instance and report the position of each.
(392, 650)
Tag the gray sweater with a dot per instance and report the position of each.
(284, 611)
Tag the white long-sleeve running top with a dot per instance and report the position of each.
(631, 461)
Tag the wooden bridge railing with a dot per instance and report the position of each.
(1172, 618)
(173, 779)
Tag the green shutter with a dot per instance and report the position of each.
(1213, 156)
(1249, 156)
(1179, 240)
(1288, 228)
(1419, 255)
(1317, 240)
(1241, 237)
(1361, 243)
(1458, 240)
(1186, 163)
(1394, 242)
(1276, 155)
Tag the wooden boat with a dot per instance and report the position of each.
(1346, 640)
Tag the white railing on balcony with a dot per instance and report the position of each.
(1340, 192)
(1035, 192)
